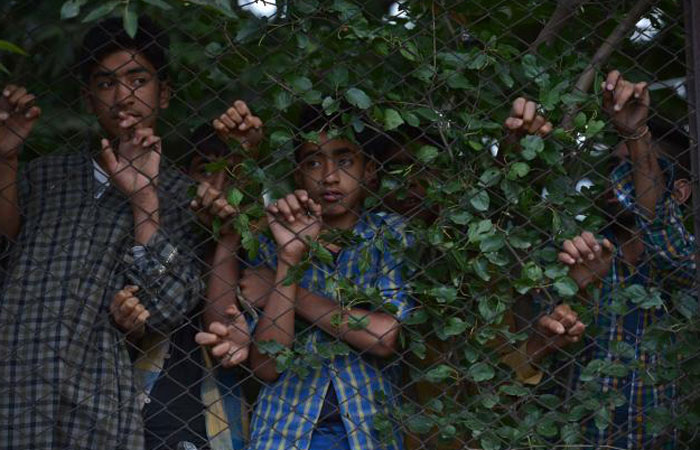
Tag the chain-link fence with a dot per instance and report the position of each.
(348, 225)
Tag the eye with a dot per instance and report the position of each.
(140, 81)
(105, 84)
(345, 162)
(312, 164)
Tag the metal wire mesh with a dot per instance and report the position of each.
(431, 287)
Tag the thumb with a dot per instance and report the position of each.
(107, 157)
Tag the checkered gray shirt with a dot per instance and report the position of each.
(65, 372)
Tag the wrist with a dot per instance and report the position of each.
(536, 349)
(289, 259)
(145, 202)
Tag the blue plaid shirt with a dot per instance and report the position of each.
(288, 409)
(667, 264)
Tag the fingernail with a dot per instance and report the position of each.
(636, 95)
(6, 92)
(579, 260)
(618, 107)
(590, 256)
(610, 87)
(4, 116)
(596, 248)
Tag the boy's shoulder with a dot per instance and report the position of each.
(384, 225)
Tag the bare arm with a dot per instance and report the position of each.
(18, 114)
(276, 323)
(379, 337)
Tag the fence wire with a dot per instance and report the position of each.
(348, 225)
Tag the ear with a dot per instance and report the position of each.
(164, 94)
(87, 98)
(682, 190)
(370, 172)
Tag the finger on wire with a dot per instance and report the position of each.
(640, 88)
(127, 121)
(219, 126)
(623, 94)
(242, 108)
(514, 123)
(577, 329)
(204, 338)
(545, 129)
(569, 247)
(234, 116)
(608, 246)
(591, 242)
(568, 319)
(151, 142)
(16, 95)
(583, 249)
(219, 329)
(551, 326)
(612, 80)
(294, 205)
(285, 210)
(9, 90)
(128, 305)
(228, 122)
(566, 258)
(220, 350)
(302, 195)
(25, 102)
(108, 158)
(202, 188)
(536, 124)
(142, 318)
(518, 108)
(134, 314)
(314, 208)
(530, 112)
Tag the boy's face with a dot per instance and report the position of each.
(334, 173)
(125, 82)
(219, 179)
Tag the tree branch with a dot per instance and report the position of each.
(584, 82)
(561, 15)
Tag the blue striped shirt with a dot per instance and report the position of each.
(288, 409)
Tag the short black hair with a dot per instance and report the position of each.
(109, 36)
(674, 143)
(314, 119)
(205, 141)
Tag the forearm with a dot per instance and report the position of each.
(647, 175)
(10, 220)
(223, 279)
(276, 323)
(379, 337)
(146, 216)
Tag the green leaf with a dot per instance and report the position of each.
(330, 105)
(338, 76)
(479, 230)
(555, 271)
(444, 294)
(492, 243)
(392, 119)
(358, 98)
(566, 287)
(570, 433)
(514, 390)
(234, 197)
(580, 120)
(270, 347)
(159, 4)
(420, 424)
(358, 323)
(490, 177)
(130, 21)
(439, 373)
(279, 138)
(71, 9)
(301, 84)
(518, 170)
(454, 326)
(306, 6)
(283, 100)
(100, 11)
(458, 81)
(4, 69)
(10, 47)
(531, 271)
(480, 201)
(427, 153)
(531, 146)
(594, 127)
(480, 372)
(461, 217)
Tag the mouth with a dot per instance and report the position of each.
(332, 196)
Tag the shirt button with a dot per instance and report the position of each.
(147, 400)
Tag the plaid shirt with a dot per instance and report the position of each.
(65, 373)
(288, 409)
(668, 264)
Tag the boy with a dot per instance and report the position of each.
(84, 226)
(336, 403)
(184, 403)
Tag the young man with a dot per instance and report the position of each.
(335, 403)
(84, 224)
(645, 244)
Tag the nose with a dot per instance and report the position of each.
(330, 173)
(123, 94)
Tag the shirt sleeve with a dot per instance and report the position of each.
(392, 279)
(669, 246)
(168, 273)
